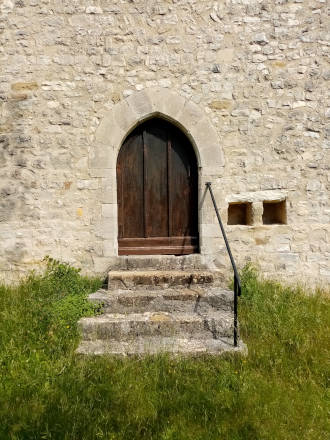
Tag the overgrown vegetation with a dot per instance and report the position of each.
(46, 392)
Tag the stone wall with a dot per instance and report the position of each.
(258, 70)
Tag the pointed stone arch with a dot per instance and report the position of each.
(120, 120)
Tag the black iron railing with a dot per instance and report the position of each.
(237, 281)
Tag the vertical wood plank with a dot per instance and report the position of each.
(130, 187)
(156, 199)
(169, 179)
(183, 187)
(145, 216)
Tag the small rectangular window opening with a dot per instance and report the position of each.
(240, 213)
(274, 213)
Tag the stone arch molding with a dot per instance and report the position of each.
(118, 122)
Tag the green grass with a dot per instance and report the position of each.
(46, 392)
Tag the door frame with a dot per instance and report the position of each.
(117, 124)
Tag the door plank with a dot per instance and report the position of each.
(130, 187)
(157, 245)
(156, 199)
(183, 187)
(169, 179)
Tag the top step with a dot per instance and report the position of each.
(159, 262)
(135, 279)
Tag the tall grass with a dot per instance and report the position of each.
(279, 391)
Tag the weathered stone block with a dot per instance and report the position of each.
(24, 86)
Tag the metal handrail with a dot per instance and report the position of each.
(237, 281)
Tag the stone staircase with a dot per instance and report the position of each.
(148, 311)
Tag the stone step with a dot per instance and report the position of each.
(184, 325)
(188, 300)
(158, 262)
(157, 345)
(137, 279)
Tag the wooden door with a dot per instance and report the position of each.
(157, 182)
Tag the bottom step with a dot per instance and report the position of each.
(156, 345)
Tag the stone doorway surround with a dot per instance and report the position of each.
(119, 122)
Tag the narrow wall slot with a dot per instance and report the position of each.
(274, 213)
(240, 213)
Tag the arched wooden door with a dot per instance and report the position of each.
(157, 180)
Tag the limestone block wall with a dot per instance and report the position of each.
(256, 70)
